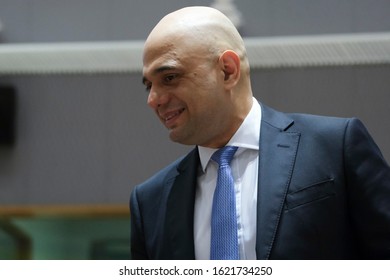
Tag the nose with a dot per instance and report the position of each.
(157, 98)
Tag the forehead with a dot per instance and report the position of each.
(158, 63)
(161, 57)
(167, 51)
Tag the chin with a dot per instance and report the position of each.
(180, 139)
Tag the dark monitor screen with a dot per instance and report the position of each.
(7, 115)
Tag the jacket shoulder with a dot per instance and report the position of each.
(300, 121)
(169, 172)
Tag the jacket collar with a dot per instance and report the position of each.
(179, 228)
(278, 149)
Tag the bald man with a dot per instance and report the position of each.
(305, 187)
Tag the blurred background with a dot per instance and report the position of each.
(76, 134)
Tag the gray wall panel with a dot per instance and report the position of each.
(101, 20)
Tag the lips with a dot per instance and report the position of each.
(170, 117)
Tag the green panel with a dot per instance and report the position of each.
(77, 238)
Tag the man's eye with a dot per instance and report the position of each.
(148, 87)
(169, 78)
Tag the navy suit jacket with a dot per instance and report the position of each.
(323, 193)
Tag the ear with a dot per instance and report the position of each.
(230, 64)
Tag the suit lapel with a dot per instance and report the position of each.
(180, 208)
(278, 150)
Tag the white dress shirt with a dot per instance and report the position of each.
(245, 171)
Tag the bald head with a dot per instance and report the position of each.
(199, 28)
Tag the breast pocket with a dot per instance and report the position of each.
(320, 190)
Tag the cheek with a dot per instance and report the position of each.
(202, 92)
(206, 88)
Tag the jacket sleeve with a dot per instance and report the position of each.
(368, 185)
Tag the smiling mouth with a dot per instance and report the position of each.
(173, 115)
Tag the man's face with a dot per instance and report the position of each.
(186, 91)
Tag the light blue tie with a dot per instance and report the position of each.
(224, 239)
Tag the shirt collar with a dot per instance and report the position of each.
(247, 136)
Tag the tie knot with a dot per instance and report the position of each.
(224, 155)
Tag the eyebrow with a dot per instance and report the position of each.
(160, 70)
